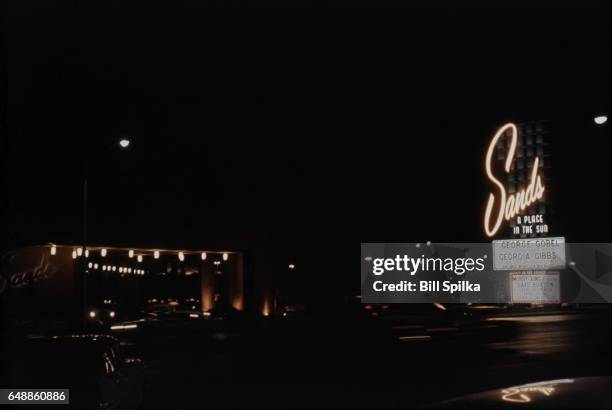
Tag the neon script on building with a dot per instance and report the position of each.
(501, 205)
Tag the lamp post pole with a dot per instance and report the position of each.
(124, 143)
(83, 264)
(85, 193)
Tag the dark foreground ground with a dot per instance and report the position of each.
(393, 360)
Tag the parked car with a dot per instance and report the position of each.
(92, 366)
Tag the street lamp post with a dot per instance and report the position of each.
(124, 143)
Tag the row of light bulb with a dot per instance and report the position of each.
(121, 269)
(78, 252)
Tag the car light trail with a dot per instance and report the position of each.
(124, 327)
(414, 338)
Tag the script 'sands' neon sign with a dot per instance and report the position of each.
(506, 205)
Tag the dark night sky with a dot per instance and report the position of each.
(313, 126)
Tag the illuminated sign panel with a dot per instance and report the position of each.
(529, 254)
(535, 287)
(502, 205)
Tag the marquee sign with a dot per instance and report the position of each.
(503, 206)
(535, 287)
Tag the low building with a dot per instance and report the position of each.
(60, 282)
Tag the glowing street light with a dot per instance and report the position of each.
(225, 256)
(103, 252)
(53, 250)
(601, 119)
(124, 142)
(181, 256)
(156, 255)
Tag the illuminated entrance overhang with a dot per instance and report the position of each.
(213, 265)
(133, 252)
